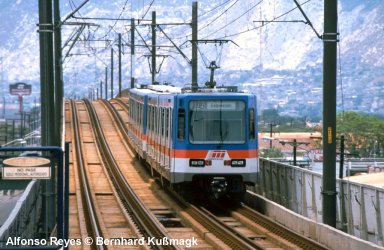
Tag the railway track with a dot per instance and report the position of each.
(256, 226)
(100, 213)
(168, 215)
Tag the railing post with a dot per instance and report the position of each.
(378, 219)
(304, 195)
(363, 216)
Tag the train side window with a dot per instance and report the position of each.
(149, 118)
(153, 119)
(169, 123)
(156, 130)
(162, 121)
(181, 124)
(138, 113)
(166, 122)
(252, 124)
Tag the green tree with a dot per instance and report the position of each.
(364, 133)
(271, 153)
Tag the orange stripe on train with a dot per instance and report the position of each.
(233, 154)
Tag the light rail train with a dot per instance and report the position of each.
(202, 142)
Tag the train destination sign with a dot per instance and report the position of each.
(217, 105)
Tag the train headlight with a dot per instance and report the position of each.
(196, 162)
(238, 163)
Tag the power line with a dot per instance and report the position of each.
(214, 8)
(263, 24)
(234, 20)
(216, 18)
(209, 11)
(118, 18)
(149, 7)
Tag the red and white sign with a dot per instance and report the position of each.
(20, 89)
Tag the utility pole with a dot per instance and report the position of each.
(341, 166)
(47, 95)
(132, 51)
(294, 152)
(153, 51)
(330, 39)
(101, 89)
(46, 72)
(111, 73)
(59, 86)
(194, 47)
(294, 144)
(106, 83)
(270, 133)
(119, 45)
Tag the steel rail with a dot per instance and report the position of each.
(93, 226)
(147, 222)
(280, 230)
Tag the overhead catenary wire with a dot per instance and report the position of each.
(91, 36)
(235, 19)
(214, 19)
(264, 23)
(217, 18)
(118, 18)
(213, 9)
(146, 12)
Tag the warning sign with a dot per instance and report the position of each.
(25, 173)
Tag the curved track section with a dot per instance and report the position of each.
(104, 216)
(146, 220)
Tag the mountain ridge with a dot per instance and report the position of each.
(270, 60)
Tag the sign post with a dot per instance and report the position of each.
(20, 89)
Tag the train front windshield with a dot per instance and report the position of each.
(217, 122)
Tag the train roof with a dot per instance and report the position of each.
(157, 89)
(169, 89)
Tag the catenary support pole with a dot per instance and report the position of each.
(111, 73)
(194, 47)
(330, 39)
(47, 95)
(132, 51)
(59, 85)
(101, 89)
(46, 72)
(153, 50)
(106, 83)
(119, 45)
